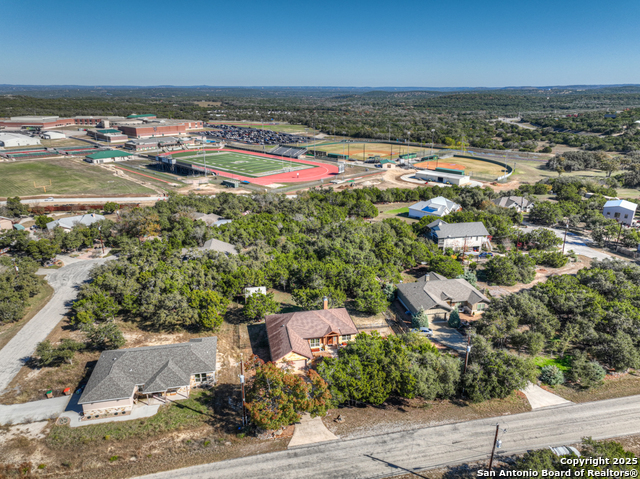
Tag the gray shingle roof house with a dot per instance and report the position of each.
(517, 202)
(170, 370)
(438, 296)
(470, 236)
(69, 223)
(219, 246)
(439, 206)
(297, 336)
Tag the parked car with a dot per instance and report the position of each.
(423, 331)
(486, 255)
(49, 199)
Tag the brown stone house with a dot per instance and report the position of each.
(125, 376)
(299, 337)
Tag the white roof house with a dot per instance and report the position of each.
(622, 211)
(439, 206)
(69, 223)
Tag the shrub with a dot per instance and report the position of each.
(114, 458)
(551, 375)
(454, 319)
(586, 373)
(420, 319)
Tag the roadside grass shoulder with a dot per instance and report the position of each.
(613, 387)
(34, 304)
(187, 414)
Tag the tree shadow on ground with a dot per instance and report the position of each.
(227, 407)
(259, 341)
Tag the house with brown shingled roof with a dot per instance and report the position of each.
(299, 337)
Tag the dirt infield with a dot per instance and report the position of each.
(321, 171)
(432, 165)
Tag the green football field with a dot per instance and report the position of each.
(240, 164)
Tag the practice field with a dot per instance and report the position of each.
(67, 176)
(251, 166)
(362, 151)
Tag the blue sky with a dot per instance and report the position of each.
(331, 43)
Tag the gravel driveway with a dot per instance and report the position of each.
(64, 282)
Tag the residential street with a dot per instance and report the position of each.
(577, 243)
(394, 454)
(64, 282)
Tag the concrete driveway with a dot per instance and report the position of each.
(539, 398)
(449, 337)
(310, 431)
(33, 411)
(65, 282)
(577, 243)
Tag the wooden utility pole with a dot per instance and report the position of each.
(466, 358)
(495, 441)
(244, 415)
(565, 237)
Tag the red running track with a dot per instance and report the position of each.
(302, 176)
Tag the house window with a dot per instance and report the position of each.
(608, 213)
(346, 337)
(626, 216)
(617, 215)
(480, 306)
(314, 343)
(200, 377)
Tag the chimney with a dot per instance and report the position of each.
(325, 303)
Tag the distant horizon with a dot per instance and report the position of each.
(327, 87)
(409, 42)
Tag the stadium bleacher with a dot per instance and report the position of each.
(289, 151)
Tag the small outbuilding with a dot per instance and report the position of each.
(53, 135)
(622, 211)
(108, 156)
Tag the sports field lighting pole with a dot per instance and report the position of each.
(432, 134)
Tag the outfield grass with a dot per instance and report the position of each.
(363, 150)
(67, 176)
(190, 413)
(240, 163)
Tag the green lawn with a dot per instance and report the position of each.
(67, 176)
(397, 211)
(240, 163)
(190, 413)
(563, 364)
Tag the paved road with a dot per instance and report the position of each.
(64, 282)
(393, 454)
(124, 199)
(577, 243)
